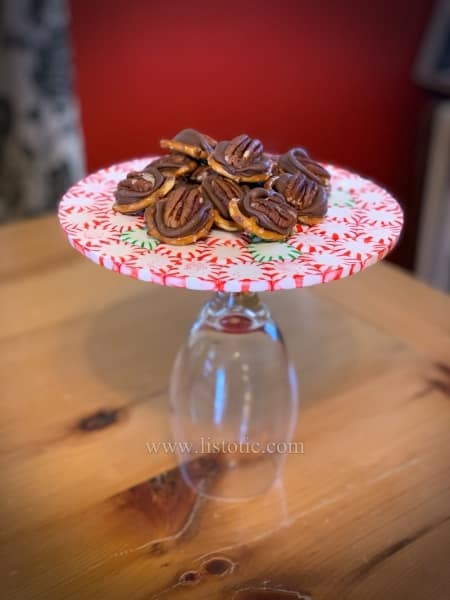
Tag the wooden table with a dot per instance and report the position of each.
(87, 512)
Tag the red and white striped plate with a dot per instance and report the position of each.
(362, 226)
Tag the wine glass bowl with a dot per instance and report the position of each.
(233, 396)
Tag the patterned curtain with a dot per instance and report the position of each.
(41, 151)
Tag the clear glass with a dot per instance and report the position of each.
(233, 396)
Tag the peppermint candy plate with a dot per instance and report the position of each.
(362, 226)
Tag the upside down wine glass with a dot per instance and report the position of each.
(233, 396)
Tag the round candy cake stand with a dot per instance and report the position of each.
(233, 391)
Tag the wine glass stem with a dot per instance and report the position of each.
(231, 312)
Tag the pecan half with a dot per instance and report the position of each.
(270, 209)
(243, 150)
(305, 195)
(182, 217)
(241, 159)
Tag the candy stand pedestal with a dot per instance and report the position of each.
(233, 393)
(233, 397)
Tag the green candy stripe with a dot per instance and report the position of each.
(139, 238)
(273, 251)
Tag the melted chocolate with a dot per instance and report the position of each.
(169, 164)
(242, 156)
(306, 196)
(270, 210)
(297, 161)
(220, 191)
(138, 185)
(200, 173)
(191, 137)
(182, 212)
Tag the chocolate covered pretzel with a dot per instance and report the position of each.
(190, 142)
(297, 161)
(309, 198)
(140, 189)
(220, 191)
(264, 213)
(182, 217)
(241, 159)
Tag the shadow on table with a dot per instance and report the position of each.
(131, 346)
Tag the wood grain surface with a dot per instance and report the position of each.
(87, 512)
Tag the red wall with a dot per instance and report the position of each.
(332, 76)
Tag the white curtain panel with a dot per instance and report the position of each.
(41, 150)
